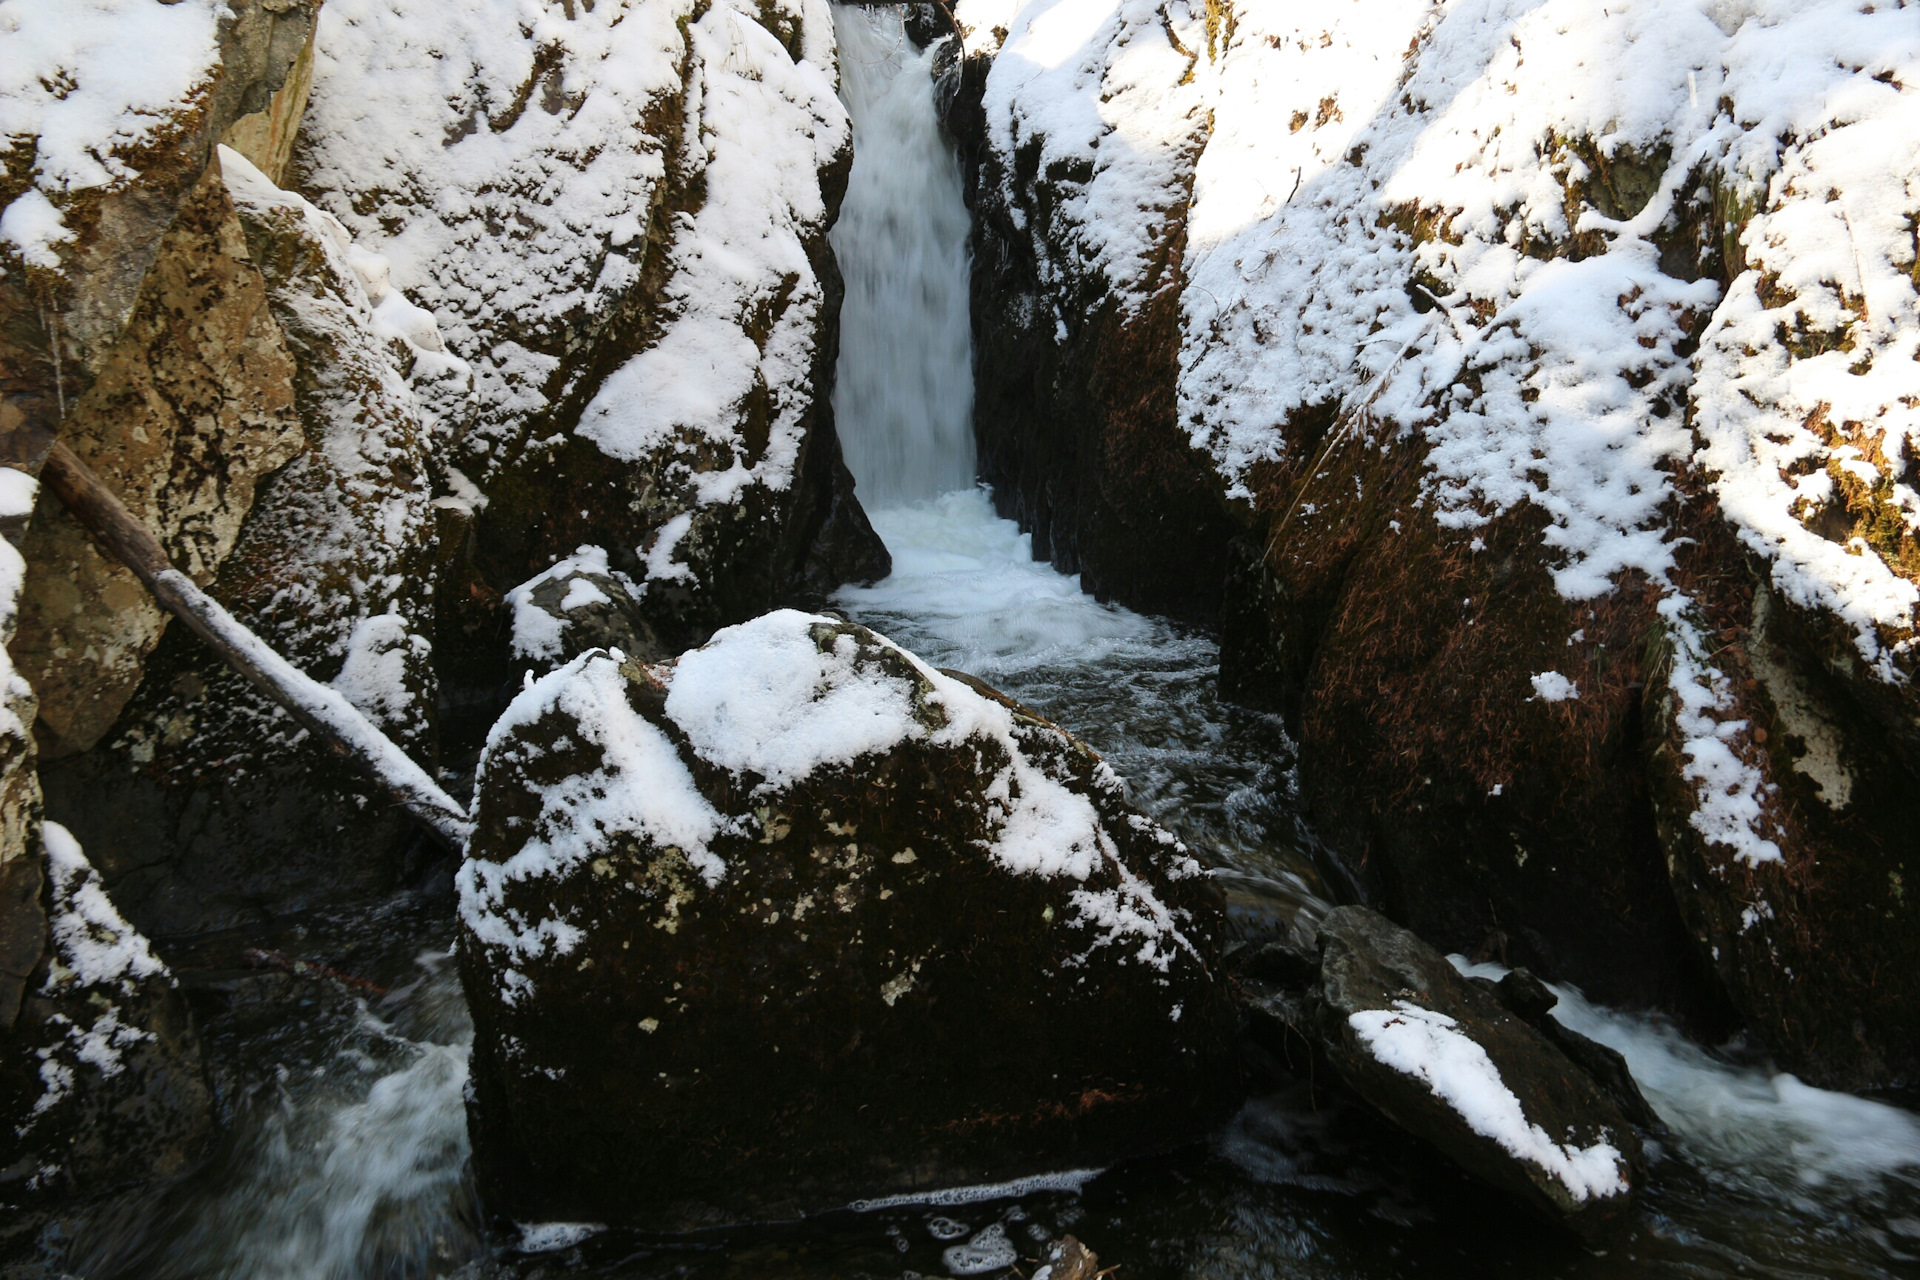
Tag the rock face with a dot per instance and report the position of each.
(101, 1082)
(799, 921)
(1448, 1062)
(1076, 319)
(1569, 517)
(648, 191)
(205, 802)
(639, 269)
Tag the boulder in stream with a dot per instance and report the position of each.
(1445, 1059)
(799, 920)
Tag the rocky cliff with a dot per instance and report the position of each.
(466, 291)
(1531, 387)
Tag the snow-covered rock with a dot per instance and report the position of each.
(619, 213)
(1442, 1058)
(1518, 338)
(206, 803)
(581, 603)
(101, 1079)
(798, 920)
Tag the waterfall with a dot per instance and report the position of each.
(903, 392)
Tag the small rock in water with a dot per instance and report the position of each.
(1443, 1058)
(1068, 1259)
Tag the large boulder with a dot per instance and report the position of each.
(800, 920)
(1445, 1059)
(205, 803)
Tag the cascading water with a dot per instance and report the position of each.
(347, 1156)
(903, 392)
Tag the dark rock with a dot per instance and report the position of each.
(101, 1079)
(1074, 375)
(1816, 941)
(1533, 1001)
(1526, 995)
(1439, 1056)
(801, 921)
(577, 605)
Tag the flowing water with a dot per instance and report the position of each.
(347, 1154)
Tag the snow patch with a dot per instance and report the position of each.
(1551, 686)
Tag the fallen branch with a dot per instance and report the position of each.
(260, 958)
(320, 709)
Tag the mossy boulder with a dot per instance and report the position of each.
(799, 921)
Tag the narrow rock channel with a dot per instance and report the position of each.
(340, 1042)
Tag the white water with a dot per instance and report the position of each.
(903, 392)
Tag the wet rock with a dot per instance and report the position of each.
(1444, 1059)
(101, 1079)
(1533, 1002)
(800, 921)
(1068, 1259)
(1815, 934)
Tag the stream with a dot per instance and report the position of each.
(346, 1154)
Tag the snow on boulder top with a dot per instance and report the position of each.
(86, 82)
(774, 701)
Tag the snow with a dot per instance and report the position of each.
(355, 510)
(96, 954)
(86, 83)
(1551, 686)
(764, 125)
(493, 206)
(640, 787)
(1426, 1045)
(511, 165)
(17, 493)
(95, 945)
(1098, 82)
(1349, 152)
(762, 698)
